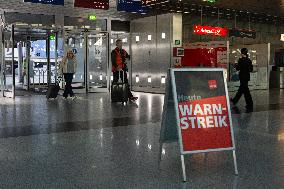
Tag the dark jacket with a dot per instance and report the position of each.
(245, 67)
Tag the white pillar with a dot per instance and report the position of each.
(20, 62)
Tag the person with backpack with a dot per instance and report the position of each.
(244, 66)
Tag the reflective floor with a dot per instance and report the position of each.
(92, 143)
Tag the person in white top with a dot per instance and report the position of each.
(68, 68)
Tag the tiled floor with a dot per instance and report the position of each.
(91, 143)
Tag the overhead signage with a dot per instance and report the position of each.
(209, 30)
(153, 2)
(199, 109)
(52, 2)
(133, 6)
(242, 33)
(92, 17)
(52, 37)
(92, 4)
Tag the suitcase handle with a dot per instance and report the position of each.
(123, 79)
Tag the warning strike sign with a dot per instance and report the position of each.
(203, 112)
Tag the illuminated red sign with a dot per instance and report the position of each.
(209, 30)
(92, 4)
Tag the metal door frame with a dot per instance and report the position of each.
(98, 90)
(2, 66)
(86, 34)
(4, 93)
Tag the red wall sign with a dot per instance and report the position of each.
(92, 4)
(209, 30)
(205, 54)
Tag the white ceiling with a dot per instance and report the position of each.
(68, 9)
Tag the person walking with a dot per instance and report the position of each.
(68, 67)
(244, 66)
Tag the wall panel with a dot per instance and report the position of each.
(150, 57)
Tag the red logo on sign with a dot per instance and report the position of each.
(209, 30)
(205, 124)
(212, 84)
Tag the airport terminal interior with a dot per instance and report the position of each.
(164, 117)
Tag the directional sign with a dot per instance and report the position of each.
(52, 2)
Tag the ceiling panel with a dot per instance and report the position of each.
(268, 11)
(68, 9)
(275, 7)
(257, 9)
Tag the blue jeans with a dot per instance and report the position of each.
(68, 87)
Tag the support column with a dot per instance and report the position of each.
(20, 62)
(29, 64)
(56, 56)
(86, 71)
(176, 28)
(109, 54)
(2, 53)
(13, 59)
(48, 60)
(59, 24)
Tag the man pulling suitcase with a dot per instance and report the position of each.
(119, 69)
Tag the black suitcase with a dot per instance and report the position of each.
(52, 91)
(119, 91)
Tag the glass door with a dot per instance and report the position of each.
(97, 62)
(8, 65)
(91, 50)
(77, 43)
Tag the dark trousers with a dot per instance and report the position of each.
(243, 89)
(119, 74)
(68, 87)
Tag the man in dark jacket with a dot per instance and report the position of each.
(119, 67)
(244, 67)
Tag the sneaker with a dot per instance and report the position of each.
(73, 97)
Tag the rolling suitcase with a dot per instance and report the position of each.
(119, 91)
(52, 91)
